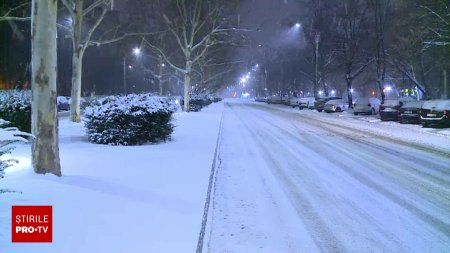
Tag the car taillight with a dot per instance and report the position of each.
(446, 113)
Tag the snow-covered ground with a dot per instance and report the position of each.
(302, 181)
(119, 199)
(286, 181)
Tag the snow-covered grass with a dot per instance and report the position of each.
(119, 199)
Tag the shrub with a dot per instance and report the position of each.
(129, 120)
(15, 107)
(8, 136)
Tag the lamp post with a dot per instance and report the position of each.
(316, 75)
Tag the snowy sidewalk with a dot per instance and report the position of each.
(119, 199)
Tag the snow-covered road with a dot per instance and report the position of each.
(291, 181)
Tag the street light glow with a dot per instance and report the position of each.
(352, 90)
(137, 51)
(388, 88)
(333, 92)
(297, 25)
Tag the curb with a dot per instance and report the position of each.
(211, 185)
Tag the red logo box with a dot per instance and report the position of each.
(32, 224)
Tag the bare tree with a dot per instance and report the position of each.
(10, 15)
(350, 39)
(196, 28)
(45, 150)
(81, 41)
(439, 13)
(380, 10)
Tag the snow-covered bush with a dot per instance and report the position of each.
(8, 136)
(130, 120)
(15, 107)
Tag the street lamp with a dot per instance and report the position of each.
(136, 51)
(298, 25)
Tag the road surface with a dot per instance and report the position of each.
(288, 181)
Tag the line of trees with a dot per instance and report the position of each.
(192, 39)
(365, 45)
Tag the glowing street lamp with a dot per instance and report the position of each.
(136, 51)
(333, 92)
(388, 88)
(298, 25)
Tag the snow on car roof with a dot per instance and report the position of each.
(437, 104)
(416, 104)
(337, 101)
(366, 100)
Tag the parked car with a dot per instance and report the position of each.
(369, 105)
(435, 112)
(63, 103)
(320, 103)
(285, 100)
(294, 101)
(307, 102)
(336, 105)
(389, 109)
(409, 112)
(260, 99)
(276, 99)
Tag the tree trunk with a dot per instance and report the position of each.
(381, 88)
(349, 80)
(187, 85)
(77, 62)
(44, 124)
(75, 95)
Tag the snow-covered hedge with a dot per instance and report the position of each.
(130, 120)
(15, 107)
(8, 136)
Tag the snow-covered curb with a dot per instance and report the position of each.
(427, 138)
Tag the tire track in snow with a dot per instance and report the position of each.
(322, 234)
(427, 218)
(440, 225)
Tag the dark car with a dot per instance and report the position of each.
(435, 112)
(409, 112)
(63, 103)
(389, 109)
(319, 104)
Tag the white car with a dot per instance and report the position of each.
(336, 105)
(260, 99)
(294, 101)
(367, 106)
(285, 100)
(307, 102)
(274, 99)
